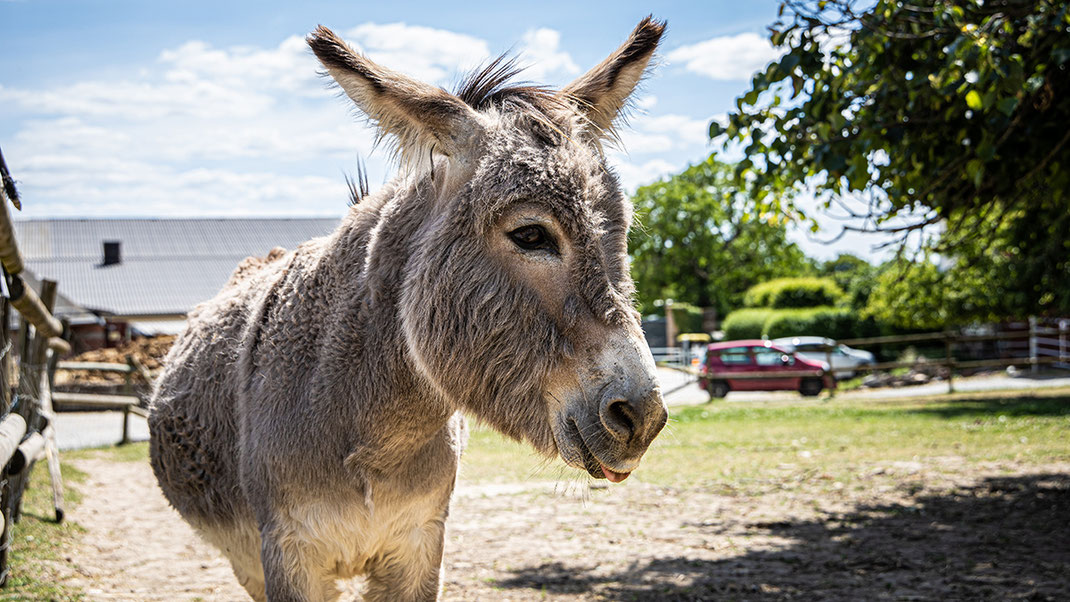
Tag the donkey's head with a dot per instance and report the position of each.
(516, 299)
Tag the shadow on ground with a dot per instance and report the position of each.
(990, 407)
(1002, 539)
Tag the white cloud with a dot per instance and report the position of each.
(286, 67)
(646, 103)
(541, 54)
(431, 55)
(139, 100)
(206, 130)
(648, 134)
(124, 186)
(679, 137)
(634, 175)
(728, 57)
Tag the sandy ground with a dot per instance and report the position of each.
(903, 531)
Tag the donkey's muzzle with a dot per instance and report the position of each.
(633, 421)
(615, 414)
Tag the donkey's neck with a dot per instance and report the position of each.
(363, 356)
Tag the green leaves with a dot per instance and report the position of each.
(966, 105)
(905, 94)
(1007, 105)
(975, 169)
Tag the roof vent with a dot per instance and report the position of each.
(111, 252)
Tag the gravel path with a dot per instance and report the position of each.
(906, 531)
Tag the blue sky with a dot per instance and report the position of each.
(160, 109)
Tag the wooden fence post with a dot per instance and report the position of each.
(949, 361)
(128, 389)
(1033, 344)
(48, 298)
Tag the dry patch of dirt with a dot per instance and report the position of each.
(136, 547)
(930, 530)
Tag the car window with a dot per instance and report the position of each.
(811, 347)
(766, 357)
(735, 356)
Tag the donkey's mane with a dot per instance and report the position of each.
(491, 86)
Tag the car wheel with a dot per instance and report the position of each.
(717, 389)
(811, 387)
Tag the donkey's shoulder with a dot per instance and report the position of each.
(251, 265)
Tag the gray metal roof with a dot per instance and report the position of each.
(167, 265)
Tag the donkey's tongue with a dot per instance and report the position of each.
(614, 477)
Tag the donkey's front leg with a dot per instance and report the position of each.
(411, 569)
(290, 576)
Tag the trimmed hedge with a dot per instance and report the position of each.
(832, 322)
(816, 321)
(746, 323)
(783, 293)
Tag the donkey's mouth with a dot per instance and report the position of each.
(591, 463)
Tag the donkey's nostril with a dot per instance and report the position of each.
(620, 418)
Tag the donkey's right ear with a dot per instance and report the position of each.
(422, 117)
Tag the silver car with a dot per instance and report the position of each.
(844, 358)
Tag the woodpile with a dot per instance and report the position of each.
(149, 351)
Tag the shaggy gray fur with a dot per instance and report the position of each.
(308, 422)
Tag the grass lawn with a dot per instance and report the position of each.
(746, 444)
(37, 539)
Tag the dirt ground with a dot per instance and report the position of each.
(905, 531)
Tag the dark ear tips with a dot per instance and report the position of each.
(329, 48)
(650, 31)
(645, 37)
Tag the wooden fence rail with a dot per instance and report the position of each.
(128, 401)
(26, 433)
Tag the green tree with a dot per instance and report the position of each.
(1019, 262)
(910, 114)
(854, 275)
(698, 240)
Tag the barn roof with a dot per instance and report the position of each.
(166, 266)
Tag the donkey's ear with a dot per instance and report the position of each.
(421, 116)
(603, 91)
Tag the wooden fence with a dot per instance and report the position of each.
(26, 365)
(947, 363)
(127, 401)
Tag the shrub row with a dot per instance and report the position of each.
(832, 322)
(746, 323)
(783, 293)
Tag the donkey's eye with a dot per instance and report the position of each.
(533, 238)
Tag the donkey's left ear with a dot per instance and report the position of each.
(419, 115)
(602, 92)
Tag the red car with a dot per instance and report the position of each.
(758, 365)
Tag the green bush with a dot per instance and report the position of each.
(746, 323)
(784, 293)
(817, 321)
(832, 322)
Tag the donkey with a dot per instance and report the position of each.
(309, 421)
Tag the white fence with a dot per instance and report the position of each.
(1050, 338)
